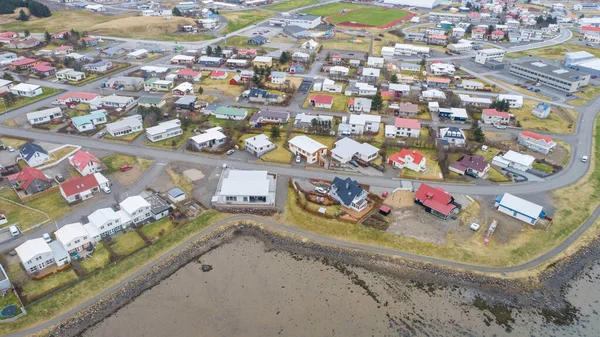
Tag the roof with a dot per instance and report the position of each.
(30, 149)
(348, 147)
(133, 203)
(407, 123)
(24, 61)
(438, 79)
(519, 158)
(82, 158)
(435, 198)
(371, 72)
(131, 121)
(364, 119)
(27, 176)
(92, 230)
(245, 183)
(306, 118)
(452, 132)
(401, 156)
(25, 87)
(77, 185)
(157, 204)
(263, 59)
(536, 136)
(347, 189)
(322, 99)
(188, 72)
(231, 111)
(87, 119)
(185, 86)
(43, 113)
(307, 144)
(258, 38)
(590, 29)
(259, 140)
(270, 114)
(32, 248)
(476, 163)
(494, 112)
(150, 100)
(278, 74)
(217, 73)
(186, 100)
(164, 127)
(521, 205)
(43, 67)
(176, 192)
(78, 95)
(208, 135)
(70, 232)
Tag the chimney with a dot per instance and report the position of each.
(347, 185)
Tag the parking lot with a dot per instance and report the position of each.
(305, 86)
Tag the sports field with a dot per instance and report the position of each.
(332, 9)
(370, 16)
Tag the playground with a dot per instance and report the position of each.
(370, 17)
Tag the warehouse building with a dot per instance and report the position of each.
(552, 76)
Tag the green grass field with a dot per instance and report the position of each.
(371, 16)
(239, 20)
(291, 4)
(331, 9)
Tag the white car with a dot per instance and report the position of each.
(298, 159)
(584, 159)
(47, 237)
(55, 103)
(474, 226)
(11, 149)
(106, 189)
(320, 190)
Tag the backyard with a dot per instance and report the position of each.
(34, 289)
(340, 102)
(127, 243)
(158, 229)
(99, 259)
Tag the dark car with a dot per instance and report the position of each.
(354, 163)
(59, 178)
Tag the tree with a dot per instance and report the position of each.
(22, 16)
(26, 33)
(275, 132)
(10, 99)
(394, 78)
(284, 58)
(218, 51)
(490, 29)
(377, 102)
(209, 51)
(8, 77)
(141, 110)
(177, 12)
(477, 132)
(47, 37)
(200, 91)
(256, 79)
(469, 29)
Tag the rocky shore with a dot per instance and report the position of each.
(496, 295)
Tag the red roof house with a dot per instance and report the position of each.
(189, 74)
(218, 75)
(76, 97)
(31, 180)
(497, 35)
(24, 63)
(79, 188)
(60, 35)
(321, 101)
(409, 159)
(43, 69)
(590, 29)
(85, 163)
(407, 123)
(493, 116)
(435, 200)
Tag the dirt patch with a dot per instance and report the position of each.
(193, 174)
(414, 222)
(400, 199)
(129, 177)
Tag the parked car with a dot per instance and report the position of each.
(589, 44)
(569, 94)
(298, 159)
(102, 134)
(320, 190)
(500, 126)
(10, 149)
(584, 159)
(230, 152)
(529, 88)
(47, 237)
(125, 168)
(14, 230)
(537, 90)
(59, 177)
(354, 163)
(106, 189)
(474, 226)
(55, 103)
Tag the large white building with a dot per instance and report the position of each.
(347, 148)
(555, 77)
(485, 55)
(301, 20)
(308, 148)
(245, 188)
(402, 49)
(414, 3)
(164, 130)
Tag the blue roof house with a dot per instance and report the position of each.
(33, 154)
(349, 193)
(542, 110)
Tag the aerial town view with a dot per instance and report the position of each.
(299, 168)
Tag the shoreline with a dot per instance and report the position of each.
(544, 294)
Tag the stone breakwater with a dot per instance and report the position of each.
(543, 293)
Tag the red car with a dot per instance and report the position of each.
(126, 168)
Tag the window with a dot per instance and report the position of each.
(37, 258)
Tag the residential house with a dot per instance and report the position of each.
(176, 195)
(137, 208)
(90, 121)
(235, 80)
(230, 113)
(515, 160)
(189, 74)
(63, 50)
(30, 180)
(472, 85)
(278, 77)
(98, 67)
(477, 34)
(336, 59)
(138, 54)
(304, 121)
(408, 159)
(359, 105)
(310, 44)
(257, 40)
(452, 136)
(338, 71)
(514, 101)
(536, 142)
(321, 101)
(155, 84)
(5, 85)
(183, 59)
(493, 116)
(26, 90)
(399, 90)
(125, 83)
(26, 43)
(442, 69)
(89, 41)
(497, 35)
(33, 154)
(212, 137)
(189, 103)
(439, 40)
(35, 255)
(300, 57)
(403, 127)
(375, 62)
(183, 89)
(158, 207)
(246, 53)
(113, 102)
(125, 126)
(404, 109)
(474, 17)
(60, 35)
(479, 102)
(108, 221)
(518, 208)
(218, 75)
(43, 69)
(349, 193)
(24, 63)
(73, 237)
(164, 130)
(85, 163)
(296, 68)
(474, 166)
(433, 95)
(360, 124)
(151, 101)
(346, 149)
(245, 188)
(263, 61)
(370, 75)
(439, 82)
(70, 75)
(415, 37)
(308, 148)
(79, 188)
(44, 116)
(259, 145)
(327, 85)
(246, 75)
(269, 117)
(354, 88)
(435, 200)
(541, 110)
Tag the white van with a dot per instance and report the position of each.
(14, 230)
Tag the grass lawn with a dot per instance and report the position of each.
(340, 102)
(99, 259)
(236, 41)
(330, 210)
(34, 289)
(52, 204)
(221, 85)
(180, 181)
(115, 161)
(207, 98)
(543, 167)
(347, 45)
(587, 93)
(127, 138)
(154, 229)
(555, 123)
(59, 154)
(46, 92)
(495, 176)
(127, 243)
(19, 215)
(90, 77)
(168, 143)
(291, 4)
(280, 154)
(331, 9)
(372, 16)
(94, 285)
(551, 53)
(489, 154)
(14, 142)
(9, 299)
(434, 172)
(239, 20)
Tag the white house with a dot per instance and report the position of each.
(241, 187)
(347, 148)
(442, 69)
(112, 102)
(33, 154)
(360, 124)
(310, 44)
(125, 126)
(183, 59)
(108, 221)
(308, 148)
(259, 145)
(518, 208)
(452, 136)
(433, 95)
(339, 71)
(541, 110)
(183, 89)
(278, 77)
(26, 90)
(327, 85)
(472, 85)
(85, 163)
(536, 142)
(35, 255)
(79, 188)
(73, 237)
(403, 127)
(230, 113)
(212, 137)
(411, 160)
(44, 116)
(375, 62)
(137, 208)
(514, 101)
(164, 130)
(70, 75)
(493, 116)
(516, 160)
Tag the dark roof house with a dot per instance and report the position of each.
(349, 193)
(258, 40)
